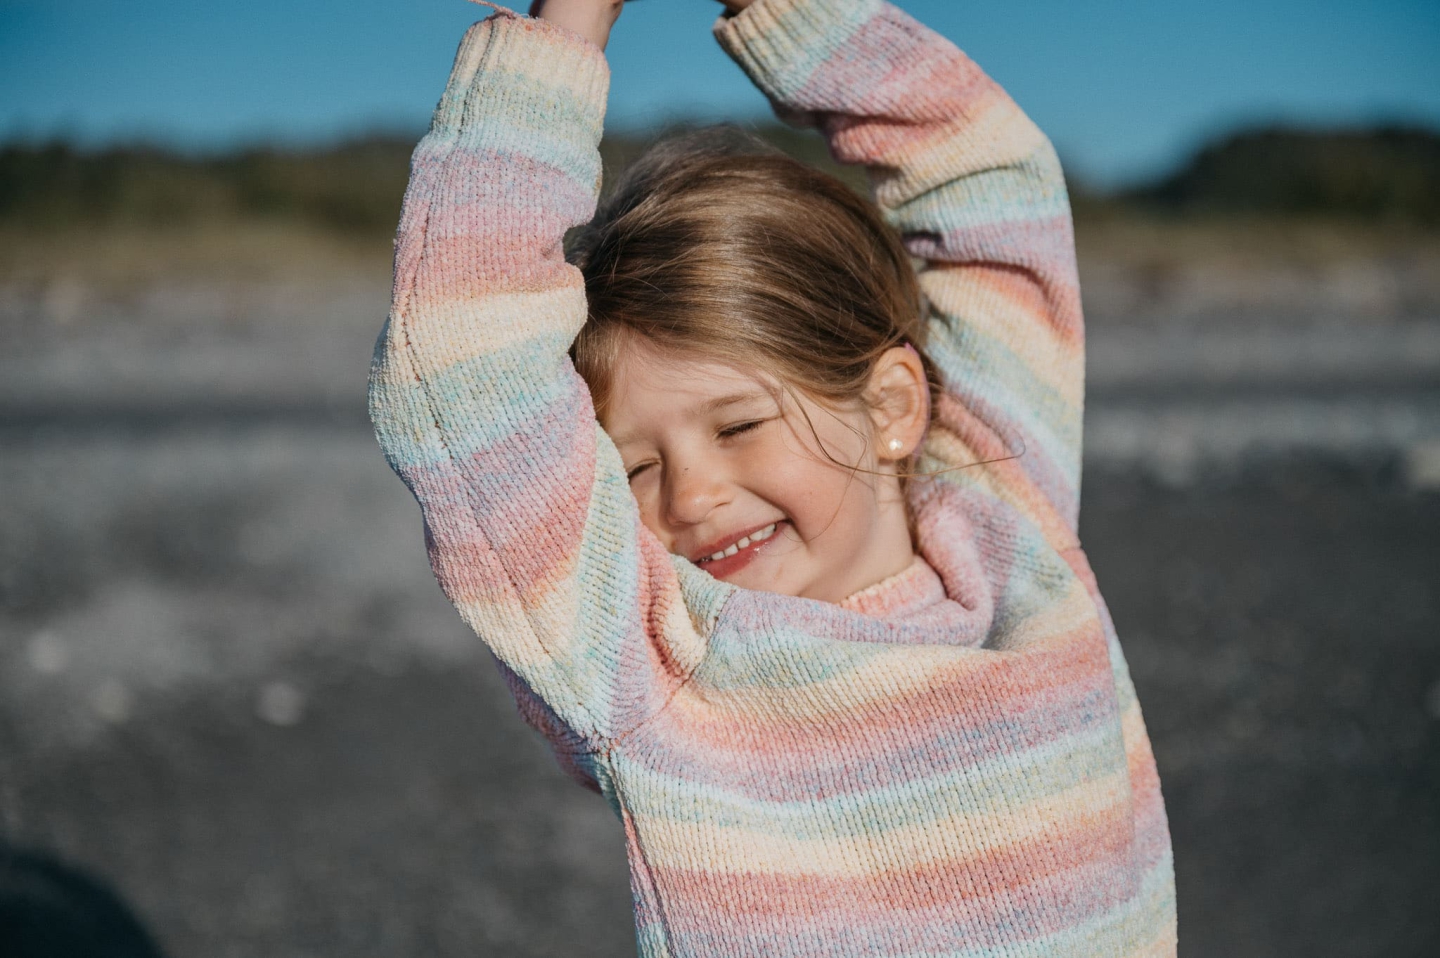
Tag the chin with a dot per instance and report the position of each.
(757, 578)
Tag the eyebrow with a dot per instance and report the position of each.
(734, 399)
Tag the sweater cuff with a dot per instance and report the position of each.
(781, 43)
(528, 69)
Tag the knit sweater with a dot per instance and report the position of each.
(951, 762)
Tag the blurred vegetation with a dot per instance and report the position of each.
(1389, 175)
(354, 187)
(1385, 175)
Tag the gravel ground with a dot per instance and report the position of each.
(230, 689)
(1281, 626)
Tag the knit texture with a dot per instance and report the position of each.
(950, 763)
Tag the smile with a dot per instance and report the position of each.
(724, 559)
(760, 535)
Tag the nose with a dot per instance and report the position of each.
(691, 494)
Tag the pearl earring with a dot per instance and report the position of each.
(896, 445)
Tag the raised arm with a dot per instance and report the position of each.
(977, 193)
(531, 527)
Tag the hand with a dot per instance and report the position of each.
(735, 6)
(592, 19)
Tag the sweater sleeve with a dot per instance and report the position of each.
(977, 194)
(531, 528)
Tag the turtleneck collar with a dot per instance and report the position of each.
(915, 589)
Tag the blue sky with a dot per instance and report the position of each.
(1125, 88)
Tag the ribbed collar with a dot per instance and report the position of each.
(915, 589)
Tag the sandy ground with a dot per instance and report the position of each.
(230, 688)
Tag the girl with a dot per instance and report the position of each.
(781, 552)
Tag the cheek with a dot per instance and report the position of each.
(815, 492)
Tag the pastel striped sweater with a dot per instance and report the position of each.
(951, 763)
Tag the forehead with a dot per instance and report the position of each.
(648, 384)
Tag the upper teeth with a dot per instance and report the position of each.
(744, 541)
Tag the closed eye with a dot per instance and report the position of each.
(736, 429)
(638, 468)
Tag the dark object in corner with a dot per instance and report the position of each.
(51, 910)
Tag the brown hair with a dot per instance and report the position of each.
(714, 242)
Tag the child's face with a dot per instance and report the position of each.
(718, 457)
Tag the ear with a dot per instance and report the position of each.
(898, 398)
